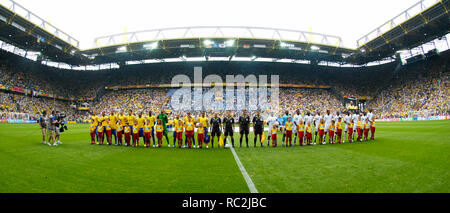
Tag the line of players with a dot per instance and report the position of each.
(338, 128)
(128, 129)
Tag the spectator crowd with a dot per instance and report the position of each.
(419, 89)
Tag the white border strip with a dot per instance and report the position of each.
(247, 178)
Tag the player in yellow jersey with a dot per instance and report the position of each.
(140, 124)
(178, 124)
(119, 132)
(186, 119)
(130, 118)
(274, 133)
(350, 131)
(321, 131)
(100, 134)
(372, 129)
(152, 120)
(94, 120)
(104, 122)
(135, 134)
(339, 129)
(127, 133)
(113, 123)
(309, 133)
(289, 126)
(331, 131)
(92, 132)
(175, 123)
(204, 121)
(301, 132)
(147, 133)
(108, 132)
(159, 131)
(366, 129)
(123, 119)
(200, 135)
(359, 126)
(189, 125)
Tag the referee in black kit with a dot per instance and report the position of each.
(258, 127)
(228, 122)
(215, 123)
(244, 122)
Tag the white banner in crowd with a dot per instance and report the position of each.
(428, 118)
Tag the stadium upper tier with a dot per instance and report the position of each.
(425, 21)
(218, 41)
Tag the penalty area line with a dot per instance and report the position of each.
(247, 178)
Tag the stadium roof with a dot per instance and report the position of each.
(27, 31)
(219, 41)
(39, 35)
(430, 23)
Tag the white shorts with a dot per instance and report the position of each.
(327, 127)
(346, 128)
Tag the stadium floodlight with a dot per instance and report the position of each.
(345, 55)
(150, 46)
(253, 58)
(315, 47)
(208, 42)
(229, 43)
(284, 44)
(121, 49)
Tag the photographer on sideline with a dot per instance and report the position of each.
(43, 124)
(60, 126)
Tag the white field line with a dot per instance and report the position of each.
(247, 178)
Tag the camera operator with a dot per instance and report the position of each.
(60, 125)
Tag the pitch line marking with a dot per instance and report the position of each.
(247, 178)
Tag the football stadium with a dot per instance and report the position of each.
(226, 109)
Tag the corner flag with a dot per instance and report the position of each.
(263, 138)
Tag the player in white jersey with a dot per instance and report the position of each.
(355, 122)
(297, 118)
(317, 118)
(337, 116)
(308, 119)
(347, 119)
(370, 117)
(272, 121)
(335, 119)
(363, 118)
(327, 118)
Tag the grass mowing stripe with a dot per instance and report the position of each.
(251, 185)
(406, 157)
(77, 166)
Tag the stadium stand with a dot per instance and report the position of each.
(419, 88)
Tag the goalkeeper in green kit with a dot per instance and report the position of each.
(163, 117)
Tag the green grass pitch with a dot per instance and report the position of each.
(406, 157)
